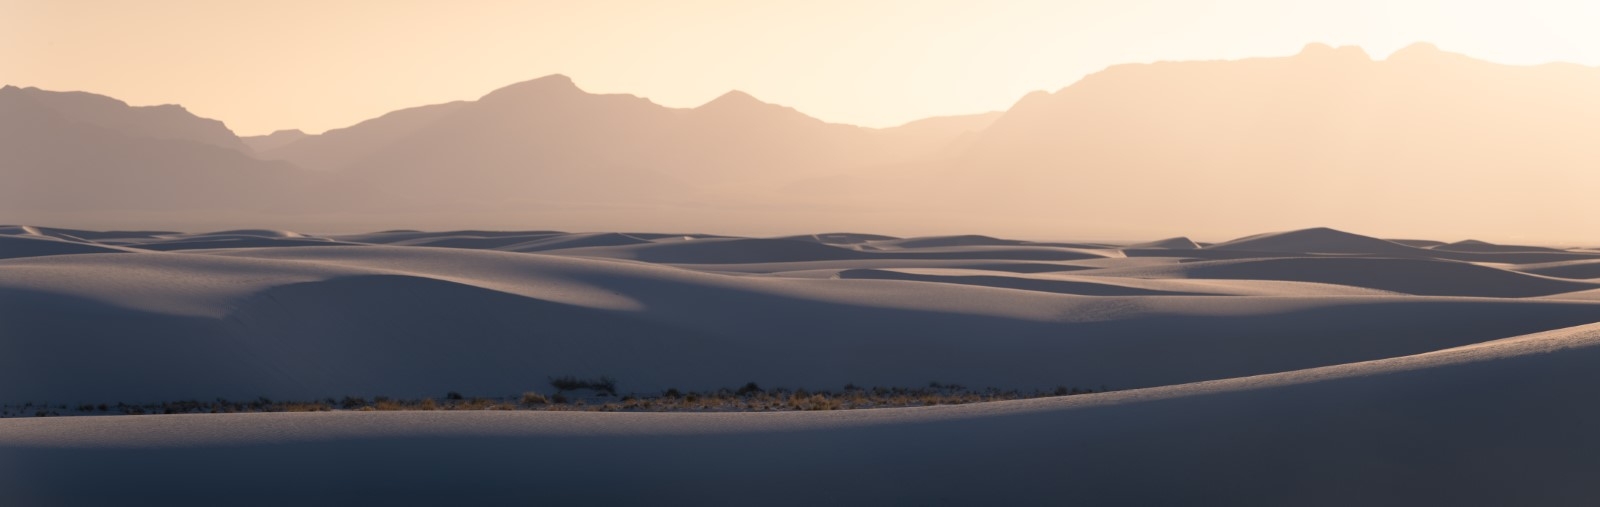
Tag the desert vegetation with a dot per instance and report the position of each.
(575, 394)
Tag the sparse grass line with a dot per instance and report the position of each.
(601, 397)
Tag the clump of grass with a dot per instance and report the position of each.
(533, 398)
(352, 402)
(749, 397)
(602, 385)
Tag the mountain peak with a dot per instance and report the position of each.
(547, 85)
(1416, 51)
(1320, 50)
(735, 99)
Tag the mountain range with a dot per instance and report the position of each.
(1421, 141)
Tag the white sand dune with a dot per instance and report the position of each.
(1177, 243)
(475, 241)
(1322, 240)
(1003, 266)
(38, 246)
(298, 322)
(1488, 424)
(1472, 245)
(840, 238)
(1587, 295)
(945, 241)
(1314, 241)
(1081, 287)
(580, 240)
(1410, 276)
(1108, 286)
(1276, 377)
(262, 233)
(224, 241)
(1575, 269)
(752, 250)
(1416, 243)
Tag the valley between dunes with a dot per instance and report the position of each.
(1277, 368)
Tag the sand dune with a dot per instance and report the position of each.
(840, 238)
(752, 250)
(1472, 245)
(1040, 284)
(37, 246)
(598, 239)
(1059, 283)
(1409, 276)
(945, 241)
(1399, 428)
(1270, 378)
(1319, 240)
(1587, 295)
(230, 242)
(1178, 243)
(388, 317)
(1577, 269)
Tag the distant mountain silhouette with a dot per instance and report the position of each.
(338, 148)
(275, 140)
(67, 155)
(547, 139)
(1421, 142)
(167, 122)
(1325, 136)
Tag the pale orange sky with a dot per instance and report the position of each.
(315, 65)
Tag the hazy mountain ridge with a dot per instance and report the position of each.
(1308, 136)
(69, 153)
(275, 140)
(1181, 144)
(167, 121)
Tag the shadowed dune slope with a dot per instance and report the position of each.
(840, 238)
(1317, 240)
(1178, 243)
(411, 321)
(1058, 286)
(753, 250)
(1578, 269)
(579, 240)
(1484, 247)
(1400, 428)
(12, 247)
(1424, 277)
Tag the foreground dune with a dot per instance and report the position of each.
(1303, 367)
(310, 322)
(1488, 424)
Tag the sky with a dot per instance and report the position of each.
(317, 65)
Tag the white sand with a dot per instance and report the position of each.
(1489, 424)
(1289, 377)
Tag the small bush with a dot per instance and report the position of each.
(533, 398)
(602, 385)
(452, 395)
